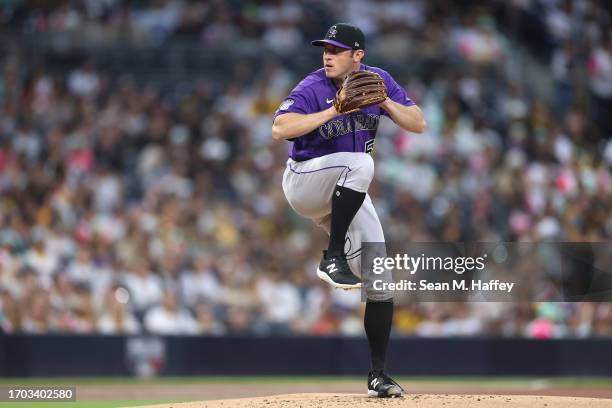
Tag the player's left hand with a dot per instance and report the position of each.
(360, 89)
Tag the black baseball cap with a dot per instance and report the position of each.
(343, 35)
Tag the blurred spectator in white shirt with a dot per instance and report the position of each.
(145, 287)
(117, 317)
(281, 302)
(201, 283)
(84, 81)
(170, 318)
(42, 261)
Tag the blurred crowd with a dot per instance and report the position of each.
(129, 208)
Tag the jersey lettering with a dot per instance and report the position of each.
(348, 124)
(369, 146)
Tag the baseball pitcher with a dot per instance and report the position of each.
(331, 118)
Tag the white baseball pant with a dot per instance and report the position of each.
(309, 186)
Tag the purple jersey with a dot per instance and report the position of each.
(354, 132)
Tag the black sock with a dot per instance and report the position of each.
(377, 323)
(345, 204)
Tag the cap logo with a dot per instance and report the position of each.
(356, 44)
(332, 32)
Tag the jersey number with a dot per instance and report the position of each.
(369, 146)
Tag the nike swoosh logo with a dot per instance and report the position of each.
(329, 100)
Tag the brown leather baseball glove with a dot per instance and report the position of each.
(360, 89)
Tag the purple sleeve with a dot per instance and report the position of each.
(396, 93)
(300, 100)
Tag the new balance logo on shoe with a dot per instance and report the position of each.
(331, 268)
(375, 382)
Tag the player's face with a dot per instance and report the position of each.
(339, 61)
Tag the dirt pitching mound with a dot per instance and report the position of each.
(412, 401)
